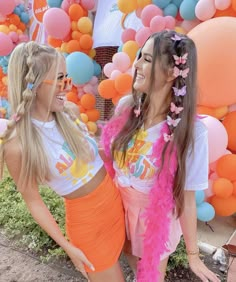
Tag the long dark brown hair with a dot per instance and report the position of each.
(164, 49)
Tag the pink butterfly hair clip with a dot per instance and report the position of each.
(175, 109)
(181, 60)
(180, 92)
(173, 122)
(168, 137)
(176, 37)
(183, 73)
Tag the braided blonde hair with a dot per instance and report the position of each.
(29, 65)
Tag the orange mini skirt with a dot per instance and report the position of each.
(95, 224)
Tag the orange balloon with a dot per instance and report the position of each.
(86, 41)
(75, 12)
(73, 46)
(22, 26)
(234, 5)
(202, 110)
(93, 115)
(76, 35)
(131, 48)
(234, 191)
(123, 83)
(226, 167)
(216, 79)
(229, 123)
(222, 187)
(54, 42)
(229, 12)
(106, 89)
(224, 207)
(88, 101)
(115, 100)
(14, 19)
(81, 109)
(72, 97)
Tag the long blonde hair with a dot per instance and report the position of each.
(29, 65)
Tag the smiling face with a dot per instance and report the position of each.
(50, 95)
(144, 65)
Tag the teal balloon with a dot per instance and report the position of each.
(120, 48)
(205, 212)
(177, 2)
(199, 197)
(170, 10)
(161, 3)
(79, 67)
(54, 3)
(187, 9)
(97, 68)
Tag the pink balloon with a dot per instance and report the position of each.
(188, 25)
(65, 5)
(217, 138)
(222, 4)
(6, 45)
(128, 34)
(157, 24)
(88, 4)
(93, 81)
(138, 12)
(209, 192)
(7, 7)
(149, 12)
(232, 108)
(23, 38)
(214, 176)
(205, 9)
(142, 35)
(108, 69)
(2, 18)
(57, 23)
(121, 61)
(14, 36)
(88, 88)
(115, 73)
(170, 22)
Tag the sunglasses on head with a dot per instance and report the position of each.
(65, 83)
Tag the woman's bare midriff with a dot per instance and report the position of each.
(88, 187)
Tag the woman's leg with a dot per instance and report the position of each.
(112, 274)
(162, 269)
(132, 261)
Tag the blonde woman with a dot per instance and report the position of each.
(43, 144)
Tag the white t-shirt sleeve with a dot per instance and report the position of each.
(197, 163)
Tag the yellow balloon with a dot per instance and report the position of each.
(84, 117)
(180, 30)
(92, 127)
(131, 48)
(12, 27)
(127, 6)
(64, 47)
(85, 25)
(92, 53)
(4, 29)
(143, 3)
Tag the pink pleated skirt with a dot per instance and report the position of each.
(134, 203)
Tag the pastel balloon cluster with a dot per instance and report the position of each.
(13, 20)
(84, 97)
(221, 193)
(119, 81)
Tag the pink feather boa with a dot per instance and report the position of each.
(161, 201)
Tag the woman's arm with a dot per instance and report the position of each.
(40, 212)
(188, 221)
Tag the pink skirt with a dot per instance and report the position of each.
(134, 203)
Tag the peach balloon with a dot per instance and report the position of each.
(216, 72)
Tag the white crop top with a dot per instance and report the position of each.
(139, 168)
(68, 172)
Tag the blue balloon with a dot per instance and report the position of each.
(22, 7)
(187, 9)
(171, 10)
(97, 68)
(199, 197)
(161, 3)
(24, 17)
(17, 11)
(54, 3)
(177, 2)
(79, 67)
(205, 212)
(120, 48)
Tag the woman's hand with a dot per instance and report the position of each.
(199, 268)
(79, 260)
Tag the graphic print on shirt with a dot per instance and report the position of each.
(71, 167)
(139, 161)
